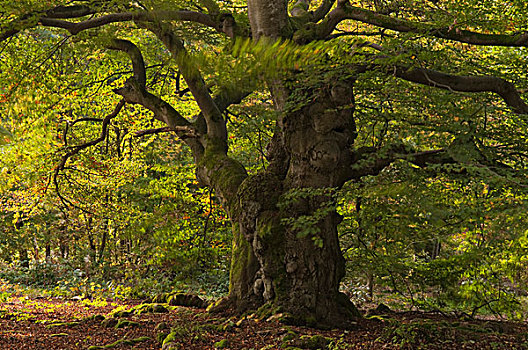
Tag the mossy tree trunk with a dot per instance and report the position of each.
(297, 271)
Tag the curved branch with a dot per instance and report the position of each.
(503, 88)
(138, 63)
(73, 150)
(216, 126)
(346, 11)
(134, 93)
(371, 161)
(55, 18)
(75, 28)
(323, 10)
(104, 130)
(25, 21)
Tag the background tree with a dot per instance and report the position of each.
(432, 87)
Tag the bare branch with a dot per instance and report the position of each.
(73, 150)
(104, 130)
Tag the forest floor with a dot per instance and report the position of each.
(48, 324)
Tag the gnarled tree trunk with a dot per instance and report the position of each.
(273, 262)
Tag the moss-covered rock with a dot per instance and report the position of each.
(125, 323)
(160, 337)
(381, 309)
(159, 309)
(119, 342)
(313, 342)
(171, 346)
(171, 337)
(123, 313)
(160, 298)
(109, 322)
(161, 326)
(182, 299)
(98, 317)
(222, 344)
(290, 336)
(292, 341)
(64, 324)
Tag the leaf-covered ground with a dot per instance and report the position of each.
(32, 323)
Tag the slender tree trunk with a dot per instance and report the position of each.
(23, 257)
(48, 252)
(102, 246)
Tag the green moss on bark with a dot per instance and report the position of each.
(243, 262)
(225, 174)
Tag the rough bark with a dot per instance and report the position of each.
(273, 263)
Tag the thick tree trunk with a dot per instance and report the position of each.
(273, 262)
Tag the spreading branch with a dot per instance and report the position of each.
(502, 87)
(56, 18)
(371, 161)
(216, 126)
(345, 11)
(73, 150)
(171, 15)
(29, 20)
(138, 63)
(459, 83)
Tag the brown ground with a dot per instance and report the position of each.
(25, 324)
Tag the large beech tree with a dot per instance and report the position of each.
(322, 123)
